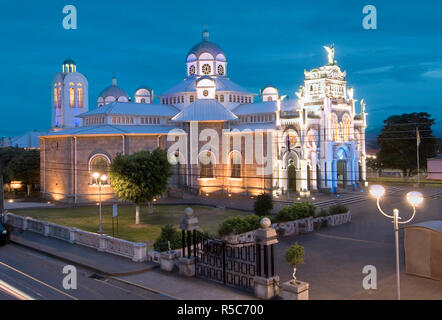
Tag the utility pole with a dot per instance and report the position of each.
(418, 142)
(2, 209)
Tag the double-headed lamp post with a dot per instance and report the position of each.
(99, 182)
(414, 198)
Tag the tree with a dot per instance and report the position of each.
(25, 167)
(6, 155)
(140, 177)
(398, 142)
(263, 204)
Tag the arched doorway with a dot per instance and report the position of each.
(342, 173)
(291, 176)
(318, 177)
(341, 168)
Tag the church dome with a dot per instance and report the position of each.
(206, 46)
(69, 66)
(69, 61)
(112, 93)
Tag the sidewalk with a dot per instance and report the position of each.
(89, 258)
(183, 288)
(144, 275)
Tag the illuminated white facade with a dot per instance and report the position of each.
(313, 142)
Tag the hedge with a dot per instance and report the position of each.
(239, 224)
(296, 211)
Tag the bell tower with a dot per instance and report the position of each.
(69, 97)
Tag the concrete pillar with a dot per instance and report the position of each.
(334, 173)
(188, 225)
(266, 282)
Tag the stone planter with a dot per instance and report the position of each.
(187, 266)
(168, 260)
(297, 290)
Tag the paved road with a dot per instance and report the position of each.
(40, 277)
(335, 256)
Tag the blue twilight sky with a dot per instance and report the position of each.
(396, 68)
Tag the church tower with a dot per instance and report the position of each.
(69, 92)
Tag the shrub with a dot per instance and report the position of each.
(337, 209)
(294, 254)
(168, 233)
(296, 211)
(323, 213)
(238, 225)
(263, 204)
(254, 221)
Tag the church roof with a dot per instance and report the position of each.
(112, 129)
(222, 84)
(206, 46)
(69, 61)
(29, 140)
(205, 110)
(251, 108)
(130, 108)
(255, 126)
(113, 91)
(265, 107)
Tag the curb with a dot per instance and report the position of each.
(146, 288)
(150, 268)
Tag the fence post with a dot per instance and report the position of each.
(267, 285)
(102, 242)
(139, 252)
(188, 224)
(46, 230)
(72, 232)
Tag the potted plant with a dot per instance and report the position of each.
(294, 255)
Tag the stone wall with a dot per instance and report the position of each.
(104, 243)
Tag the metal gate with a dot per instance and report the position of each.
(231, 265)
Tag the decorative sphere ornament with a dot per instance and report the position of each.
(265, 223)
(188, 212)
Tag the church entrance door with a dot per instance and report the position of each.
(292, 178)
(342, 173)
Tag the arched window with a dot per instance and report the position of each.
(80, 95)
(269, 99)
(206, 165)
(72, 97)
(334, 126)
(346, 124)
(99, 163)
(55, 97)
(235, 165)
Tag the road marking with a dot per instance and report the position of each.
(146, 288)
(36, 280)
(13, 291)
(349, 239)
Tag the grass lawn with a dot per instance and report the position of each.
(86, 218)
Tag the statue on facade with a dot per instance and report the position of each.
(331, 54)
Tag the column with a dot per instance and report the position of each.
(266, 283)
(189, 227)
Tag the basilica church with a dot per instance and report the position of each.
(312, 143)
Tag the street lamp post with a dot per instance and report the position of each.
(99, 182)
(414, 198)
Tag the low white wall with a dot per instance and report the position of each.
(292, 228)
(104, 243)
